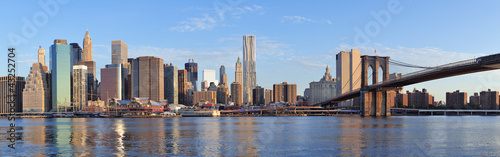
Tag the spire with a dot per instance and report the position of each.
(87, 34)
(238, 59)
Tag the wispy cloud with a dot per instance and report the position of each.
(301, 19)
(210, 21)
(296, 19)
(192, 24)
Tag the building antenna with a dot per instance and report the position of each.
(192, 58)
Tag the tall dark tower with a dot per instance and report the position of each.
(192, 72)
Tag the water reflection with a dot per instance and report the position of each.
(256, 136)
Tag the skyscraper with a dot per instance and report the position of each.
(268, 96)
(249, 70)
(79, 87)
(222, 94)
(222, 71)
(87, 47)
(5, 93)
(209, 76)
(92, 82)
(147, 78)
(238, 72)
(192, 72)
(41, 58)
(236, 93)
(111, 82)
(171, 82)
(36, 94)
(182, 86)
(456, 100)
(77, 53)
(119, 52)
(61, 71)
(489, 100)
(348, 72)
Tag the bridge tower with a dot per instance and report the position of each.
(375, 102)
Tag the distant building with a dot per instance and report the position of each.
(61, 69)
(36, 94)
(171, 83)
(420, 99)
(238, 73)
(79, 87)
(455, 100)
(4, 94)
(307, 93)
(76, 52)
(222, 94)
(92, 82)
(212, 87)
(182, 86)
(87, 48)
(237, 93)
(489, 100)
(205, 96)
(209, 76)
(147, 78)
(41, 56)
(322, 90)
(348, 72)
(268, 96)
(111, 82)
(285, 92)
(119, 52)
(401, 99)
(474, 99)
(249, 68)
(258, 96)
(192, 72)
(222, 72)
(205, 85)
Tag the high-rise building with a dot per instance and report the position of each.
(41, 58)
(222, 71)
(36, 94)
(87, 48)
(212, 87)
(111, 82)
(348, 73)
(205, 96)
(238, 73)
(324, 89)
(258, 96)
(182, 86)
(455, 100)
(222, 94)
(147, 78)
(307, 93)
(204, 85)
(6, 93)
(474, 99)
(489, 100)
(237, 93)
(249, 68)
(77, 53)
(285, 92)
(401, 99)
(61, 70)
(92, 82)
(420, 99)
(79, 87)
(119, 52)
(269, 96)
(192, 72)
(209, 76)
(170, 73)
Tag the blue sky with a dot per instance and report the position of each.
(295, 39)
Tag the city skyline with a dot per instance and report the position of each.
(276, 50)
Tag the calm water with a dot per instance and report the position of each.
(257, 136)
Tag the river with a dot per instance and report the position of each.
(256, 136)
